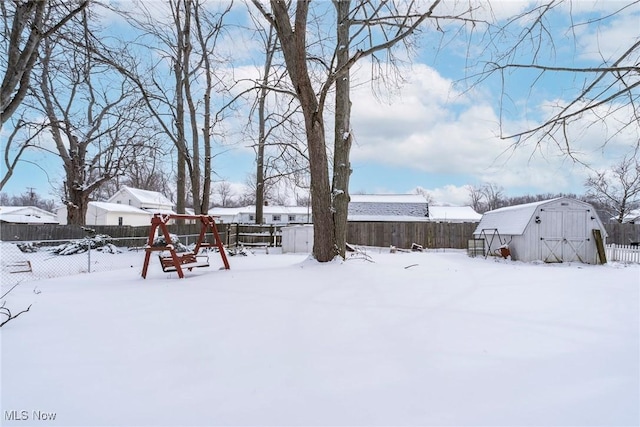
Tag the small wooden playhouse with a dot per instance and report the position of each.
(556, 230)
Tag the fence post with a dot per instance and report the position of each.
(272, 236)
(88, 255)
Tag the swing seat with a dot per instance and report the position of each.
(187, 260)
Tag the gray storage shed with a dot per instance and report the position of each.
(556, 230)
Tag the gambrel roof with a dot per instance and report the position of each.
(511, 220)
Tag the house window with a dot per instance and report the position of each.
(129, 202)
(292, 218)
(277, 218)
(119, 220)
(252, 218)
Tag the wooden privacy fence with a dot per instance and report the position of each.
(381, 234)
(404, 234)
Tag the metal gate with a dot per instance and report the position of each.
(564, 236)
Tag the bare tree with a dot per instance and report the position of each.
(24, 135)
(225, 193)
(476, 197)
(607, 91)
(93, 121)
(363, 29)
(617, 189)
(428, 197)
(183, 108)
(25, 24)
(493, 196)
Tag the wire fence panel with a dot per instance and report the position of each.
(28, 261)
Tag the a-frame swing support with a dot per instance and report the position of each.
(207, 223)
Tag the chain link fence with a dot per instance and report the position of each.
(22, 261)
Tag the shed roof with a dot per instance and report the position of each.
(510, 220)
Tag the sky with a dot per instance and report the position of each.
(439, 130)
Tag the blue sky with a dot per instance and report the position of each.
(440, 133)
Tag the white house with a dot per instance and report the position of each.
(277, 215)
(388, 207)
(26, 215)
(151, 201)
(104, 213)
(556, 230)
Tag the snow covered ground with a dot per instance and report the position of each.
(434, 338)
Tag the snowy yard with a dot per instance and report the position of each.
(433, 338)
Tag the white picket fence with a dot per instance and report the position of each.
(623, 253)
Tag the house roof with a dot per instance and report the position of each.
(146, 197)
(387, 198)
(384, 205)
(453, 213)
(26, 215)
(119, 207)
(387, 218)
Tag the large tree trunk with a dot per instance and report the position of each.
(293, 44)
(324, 248)
(342, 137)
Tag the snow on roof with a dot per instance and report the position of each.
(148, 197)
(387, 218)
(453, 213)
(510, 220)
(285, 210)
(119, 207)
(387, 198)
(26, 215)
(388, 205)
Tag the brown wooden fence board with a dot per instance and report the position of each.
(381, 234)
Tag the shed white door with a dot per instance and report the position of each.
(563, 235)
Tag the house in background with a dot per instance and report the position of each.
(151, 201)
(128, 206)
(388, 207)
(555, 230)
(26, 215)
(277, 215)
(104, 213)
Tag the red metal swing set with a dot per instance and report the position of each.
(189, 260)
